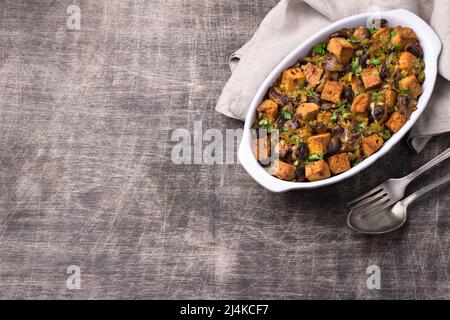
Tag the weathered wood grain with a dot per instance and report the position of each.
(86, 177)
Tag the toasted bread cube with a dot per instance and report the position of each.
(396, 121)
(317, 170)
(361, 103)
(318, 144)
(282, 170)
(410, 85)
(339, 163)
(269, 110)
(325, 117)
(313, 74)
(390, 97)
(403, 36)
(292, 79)
(371, 144)
(381, 37)
(341, 48)
(332, 91)
(261, 149)
(306, 111)
(406, 61)
(371, 77)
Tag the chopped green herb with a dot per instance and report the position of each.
(375, 62)
(392, 34)
(341, 107)
(321, 154)
(308, 92)
(373, 30)
(405, 91)
(286, 128)
(351, 41)
(360, 127)
(270, 128)
(375, 95)
(355, 63)
(320, 48)
(314, 157)
(346, 115)
(333, 117)
(263, 122)
(358, 71)
(386, 134)
(286, 115)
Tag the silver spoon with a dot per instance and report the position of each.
(388, 219)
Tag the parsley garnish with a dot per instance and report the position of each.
(333, 117)
(286, 128)
(263, 122)
(375, 62)
(405, 90)
(286, 115)
(320, 48)
(360, 127)
(373, 30)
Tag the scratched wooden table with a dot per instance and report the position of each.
(87, 179)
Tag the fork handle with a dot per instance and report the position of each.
(438, 159)
(426, 189)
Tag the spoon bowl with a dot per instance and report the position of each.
(388, 219)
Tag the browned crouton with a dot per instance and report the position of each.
(381, 37)
(282, 170)
(411, 86)
(341, 48)
(371, 77)
(318, 144)
(306, 111)
(261, 149)
(313, 74)
(361, 103)
(406, 61)
(317, 170)
(371, 144)
(292, 79)
(403, 36)
(339, 163)
(390, 97)
(396, 121)
(269, 110)
(332, 91)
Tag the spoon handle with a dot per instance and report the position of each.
(424, 190)
(444, 155)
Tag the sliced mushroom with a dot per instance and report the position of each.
(278, 97)
(332, 64)
(415, 48)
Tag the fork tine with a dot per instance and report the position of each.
(381, 203)
(369, 200)
(379, 209)
(371, 192)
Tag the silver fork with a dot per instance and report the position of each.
(392, 190)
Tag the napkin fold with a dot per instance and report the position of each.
(291, 22)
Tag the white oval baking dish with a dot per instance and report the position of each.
(431, 47)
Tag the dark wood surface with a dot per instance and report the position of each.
(86, 176)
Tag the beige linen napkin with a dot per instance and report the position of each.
(293, 21)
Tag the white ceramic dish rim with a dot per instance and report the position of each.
(431, 46)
